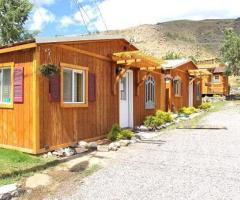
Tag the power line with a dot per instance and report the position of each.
(101, 15)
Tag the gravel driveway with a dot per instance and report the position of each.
(182, 164)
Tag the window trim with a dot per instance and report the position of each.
(76, 68)
(177, 78)
(11, 66)
(149, 106)
(216, 81)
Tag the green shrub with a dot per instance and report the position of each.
(158, 119)
(205, 106)
(125, 134)
(165, 116)
(117, 133)
(113, 134)
(188, 110)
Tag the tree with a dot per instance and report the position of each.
(230, 52)
(170, 55)
(13, 16)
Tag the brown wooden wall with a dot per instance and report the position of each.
(139, 105)
(178, 102)
(60, 125)
(16, 122)
(209, 88)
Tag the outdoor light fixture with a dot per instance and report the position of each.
(119, 69)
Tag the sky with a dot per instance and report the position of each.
(63, 17)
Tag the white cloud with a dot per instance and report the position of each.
(42, 2)
(41, 17)
(66, 21)
(120, 14)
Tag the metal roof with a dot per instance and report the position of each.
(172, 64)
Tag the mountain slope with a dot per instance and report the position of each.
(201, 39)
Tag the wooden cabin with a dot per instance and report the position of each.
(216, 83)
(101, 81)
(183, 84)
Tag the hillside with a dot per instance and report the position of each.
(201, 39)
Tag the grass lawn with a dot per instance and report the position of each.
(15, 164)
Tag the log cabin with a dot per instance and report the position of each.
(183, 84)
(216, 83)
(99, 81)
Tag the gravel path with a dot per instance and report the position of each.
(182, 164)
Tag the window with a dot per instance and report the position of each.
(150, 93)
(6, 85)
(123, 89)
(198, 88)
(74, 86)
(177, 86)
(216, 79)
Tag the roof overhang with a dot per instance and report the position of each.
(199, 72)
(137, 59)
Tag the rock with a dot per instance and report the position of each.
(79, 150)
(38, 180)
(138, 136)
(133, 141)
(117, 144)
(69, 152)
(49, 154)
(124, 143)
(92, 146)
(112, 147)
(82, 144)
(103, 148)
(74, 145)
(59, 153)
(144, 128)
(6, 191)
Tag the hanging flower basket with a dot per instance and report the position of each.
(49, 70)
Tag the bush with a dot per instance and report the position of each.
(205, 106)
(165, 116)
(117, 133)
(158, 119)
(188, 110)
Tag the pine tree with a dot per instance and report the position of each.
(13, 16)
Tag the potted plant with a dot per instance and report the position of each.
(49, 70)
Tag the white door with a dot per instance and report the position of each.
(190, 101)
(126, 100)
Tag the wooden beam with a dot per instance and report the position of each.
(130, 61)
(18, 48)
(35, 94)
(84, 52)
(122, 73)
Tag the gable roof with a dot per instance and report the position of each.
(172, 64)
(218, 70)
(63, 39)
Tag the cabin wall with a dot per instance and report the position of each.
(16, 124)
(210, 88)
(61, 126)
(140, 112)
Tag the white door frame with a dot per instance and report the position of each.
(129, 112)
(190, 93)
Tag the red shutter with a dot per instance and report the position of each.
(54, 88)
(18, 84)
(92, 87)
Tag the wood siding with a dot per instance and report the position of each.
(177, 102)
(61, 126)
(16, 123)
(210, 88)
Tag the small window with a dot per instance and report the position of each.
(198, 90)
(123, 88)
(177, 86)
(150, 93)
(74, 85)
(5, 85)
(216, 79)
